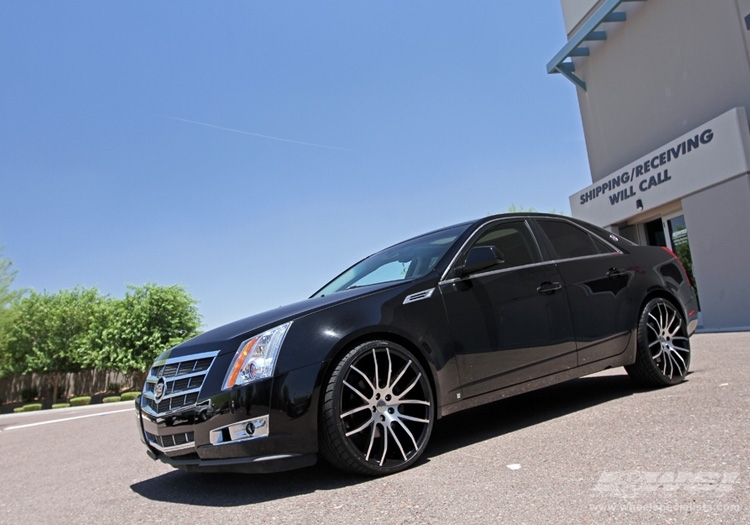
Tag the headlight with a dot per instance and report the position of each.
(256, 358)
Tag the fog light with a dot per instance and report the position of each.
(241, 431)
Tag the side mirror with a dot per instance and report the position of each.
(480, 258)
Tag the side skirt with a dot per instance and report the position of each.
(626, 358)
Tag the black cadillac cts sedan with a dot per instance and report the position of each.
(470, 314)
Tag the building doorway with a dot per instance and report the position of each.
(671, 232)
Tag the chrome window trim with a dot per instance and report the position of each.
(493, 272)
(521, 218)
(526, 219)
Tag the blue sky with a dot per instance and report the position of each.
(250, 151)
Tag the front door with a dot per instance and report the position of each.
(510, 323)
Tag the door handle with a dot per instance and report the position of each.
(615, 273)
(549, 288)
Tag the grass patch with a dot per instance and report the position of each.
(129, 396)
(80, 401)
(29, 408)
(111, 399)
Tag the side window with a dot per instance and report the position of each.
(514, 241)
(570, 241)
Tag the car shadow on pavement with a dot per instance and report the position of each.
(231, 490)
(477, 424)
(525, 410)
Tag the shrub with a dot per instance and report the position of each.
(129, 396)
(60, 405)
(111, 399)
(114, 387)
(29, 394)
(18, 409)
(80, 401)
(32, 407)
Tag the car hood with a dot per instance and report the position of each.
(254, 324)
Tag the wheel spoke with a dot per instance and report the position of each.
(367, 379)
(680, 348)
(385, 447)
(675, 356)
(408, 389)
(413, 402)
(398, 442)
(375, 362)
(668, 361)
(677, 328)
(372, 440)
(400, 375)
(360, 428)
(360, 394)
(355, 410)
(390, 368)
(416, 419)
(670, 316)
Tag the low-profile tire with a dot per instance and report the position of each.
(663, 353)
(378, 410)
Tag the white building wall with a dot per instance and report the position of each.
(718, 222)
(671, 66)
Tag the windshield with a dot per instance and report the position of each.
(408, 260)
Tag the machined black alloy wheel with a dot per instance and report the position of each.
(378, 410)
(663, 353)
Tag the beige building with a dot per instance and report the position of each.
(664, 90)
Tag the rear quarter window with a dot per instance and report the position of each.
(570, 241)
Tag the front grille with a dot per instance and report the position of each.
(173, 403)
(170, 442)
(179, 380)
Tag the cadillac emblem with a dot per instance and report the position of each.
(161, 386)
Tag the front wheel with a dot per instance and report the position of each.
(663, 353)
(378, 410)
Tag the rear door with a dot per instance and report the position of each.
(596, 276)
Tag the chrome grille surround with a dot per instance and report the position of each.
(181, 380)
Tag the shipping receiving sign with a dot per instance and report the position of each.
(711, 153)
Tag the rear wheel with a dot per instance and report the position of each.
(378, 412)
(663, 353)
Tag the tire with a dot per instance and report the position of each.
(378, 410)
(663, 353)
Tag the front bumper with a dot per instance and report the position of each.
(267, 426)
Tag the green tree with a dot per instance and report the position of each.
(8, 311)
(522, 209)
(147, 321)
(51, 332)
